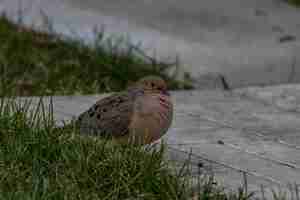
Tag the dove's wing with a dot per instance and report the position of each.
(110, 116)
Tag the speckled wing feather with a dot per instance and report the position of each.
(110, 116)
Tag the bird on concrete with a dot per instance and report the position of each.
(141, 114)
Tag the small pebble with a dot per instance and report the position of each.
(287, 38)
(221, 142)
(200, 165)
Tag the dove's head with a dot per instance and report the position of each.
(153, 84)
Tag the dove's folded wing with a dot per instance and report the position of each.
(108, 117)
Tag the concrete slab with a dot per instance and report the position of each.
(250, 42)
(232, 134)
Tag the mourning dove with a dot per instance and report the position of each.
(141, 114)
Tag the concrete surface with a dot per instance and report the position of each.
(238, 38)
(252, 132)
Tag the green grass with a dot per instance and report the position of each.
(37, 63)
(294, 2)
(39, 162)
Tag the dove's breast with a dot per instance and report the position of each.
(152, 117)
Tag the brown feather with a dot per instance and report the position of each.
(142, 113)
(110, 116)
